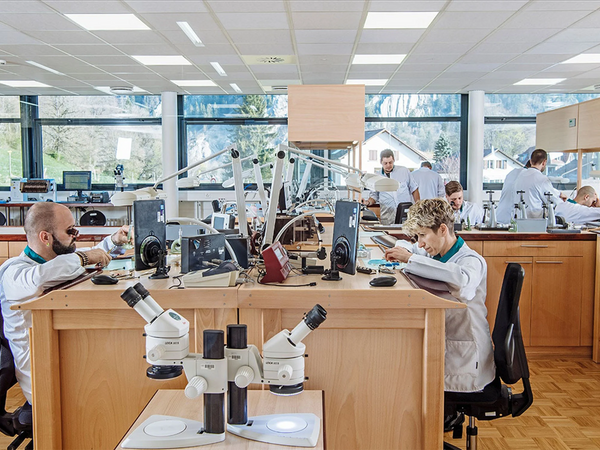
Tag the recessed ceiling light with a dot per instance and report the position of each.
(371, 82)
(41, 66)
(190, 33)
(119, 90)
(538, 81)
(202, 83)
(23, 83)
(378, 59)
(399, 19)
(235, 87)
(108, 22)
(218, 68)
(165, 60)
(585, 58)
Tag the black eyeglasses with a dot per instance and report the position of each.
(72, 231)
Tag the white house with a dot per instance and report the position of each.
(496, 165)
(380, 139)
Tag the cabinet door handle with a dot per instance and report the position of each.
(548, 262)
(517, 262)
(533, 246)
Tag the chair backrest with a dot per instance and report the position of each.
(509, 350)
(7, 367)
(402, 212)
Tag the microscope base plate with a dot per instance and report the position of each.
(170, 432)
(298, 430)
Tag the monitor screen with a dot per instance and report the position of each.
(77, 180)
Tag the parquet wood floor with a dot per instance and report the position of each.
(565, 414)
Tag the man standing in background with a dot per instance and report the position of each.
(536, 184)
(388, 201)
(430, 183)
(508, 196)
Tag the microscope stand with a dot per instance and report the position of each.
(170, 432)
(296, 429)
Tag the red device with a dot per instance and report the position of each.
(277, 263)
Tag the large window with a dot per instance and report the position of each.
(256, 124)
(11, 164)
(105, 107)
(417, 127)
(100, 149)
(509, 134)
(98, 133)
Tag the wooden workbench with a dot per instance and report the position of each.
(379, 357)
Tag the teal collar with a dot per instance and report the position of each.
(33, 255)
(453, 251)
(570, 200)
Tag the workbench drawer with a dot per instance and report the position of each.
(535, 248)
(3, 249)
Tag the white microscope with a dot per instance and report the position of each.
(222, 369)
(549, 211)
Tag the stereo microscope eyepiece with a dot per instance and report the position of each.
(315, 317)
(131, 296)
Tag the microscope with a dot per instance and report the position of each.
(549, 211)
(490, 212)
(222, 369)
(119, 178)
(520, 207)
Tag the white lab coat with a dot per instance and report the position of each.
(535, 184)
(388, 201)
(430, 183)
(22, 279)
(508, 197)
(471, 213)
(469, 356)
(576, 213)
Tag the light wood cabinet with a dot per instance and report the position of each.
(557, 298)
(556, 313)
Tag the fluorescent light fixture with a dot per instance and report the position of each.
(108, 22)
(584, 58)
(538, 81)
(190, 33)
(235, 87)
(23, 83)
(123, 148)
(191, 83)
(371, 82)
(218, 68)
(164, 60)
(41, 66)
(399, 19)
(378, 59)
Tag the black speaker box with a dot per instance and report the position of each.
(149, 232)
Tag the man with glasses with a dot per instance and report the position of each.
(49, 259)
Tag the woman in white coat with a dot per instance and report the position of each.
(440, 255)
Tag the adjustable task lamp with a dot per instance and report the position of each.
(358, 180)
(151, 192)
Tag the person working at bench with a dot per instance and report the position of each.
(439, 255)
(584, 208)
(408, 189)
(48, 260)
(464, 211)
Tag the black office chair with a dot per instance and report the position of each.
(497, 400)
(10, 425)
(402, 212)
(2, 219)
